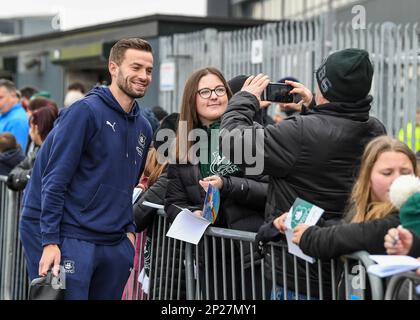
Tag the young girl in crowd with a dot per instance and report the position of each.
(370, 214)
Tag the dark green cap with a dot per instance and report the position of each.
(345, 76)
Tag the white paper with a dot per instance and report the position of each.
(136, 194)
(389, 265)
(294, 249)
(188, 227)
(144, 280)
(311, 219)
(153, 205)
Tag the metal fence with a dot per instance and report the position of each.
(225, 265)
(405, 286)
(394, 50)
(13, 273)
(287, 48)
(296, 49)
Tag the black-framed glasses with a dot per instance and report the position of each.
(205, 93)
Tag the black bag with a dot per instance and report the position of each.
(46, 288)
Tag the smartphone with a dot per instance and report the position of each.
(278, 92)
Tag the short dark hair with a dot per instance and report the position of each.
(76, 86)
(39, 102)
(28, 91)
(9, 85)
(7, 142)
(118, 50)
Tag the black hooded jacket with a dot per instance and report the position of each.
(313, 156)
(9, 160)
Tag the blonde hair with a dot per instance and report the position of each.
(362, 208)
(188, 111)
(153, 168)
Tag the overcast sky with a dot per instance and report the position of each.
(79, 13)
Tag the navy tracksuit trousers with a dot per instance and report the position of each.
(92, 271)
(30, 235)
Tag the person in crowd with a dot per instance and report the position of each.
(313, 156)
(242, 199)
(10, 153)
(26, 94)
(12, 115)
(39, 102)
(95, 159)
(262, 117)
(370, 213)
(154, 192)
(77, 86)
(41, 123)
(43, 93)
(157, 179)
(407, 135)
(159, 112)
(75, 92)
(35, 104)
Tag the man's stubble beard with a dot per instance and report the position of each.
(124, 85)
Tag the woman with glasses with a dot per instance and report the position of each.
(198, 163)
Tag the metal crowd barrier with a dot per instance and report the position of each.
(404, 286)
(225, 265)
(160, 263)
(13, 273)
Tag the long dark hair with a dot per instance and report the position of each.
(188, 111)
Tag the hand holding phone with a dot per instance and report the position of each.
(278, 92)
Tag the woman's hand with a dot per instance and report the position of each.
(398, 241)
(215, 181)
(280, 223)
(298, 231)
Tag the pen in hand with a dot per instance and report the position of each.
(396, 237)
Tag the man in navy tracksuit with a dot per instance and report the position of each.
(97, 155)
